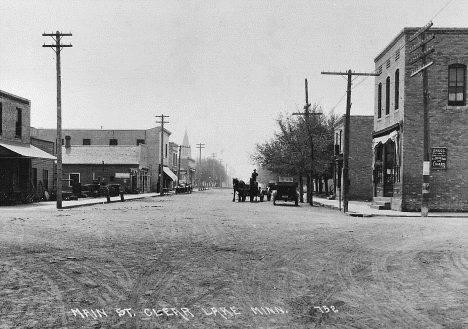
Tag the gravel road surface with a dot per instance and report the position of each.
(201, 261)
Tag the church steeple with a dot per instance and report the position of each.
(186, 151)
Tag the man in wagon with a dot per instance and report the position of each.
(253, 185)
(254, 175)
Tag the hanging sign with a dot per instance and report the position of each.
(439, 158)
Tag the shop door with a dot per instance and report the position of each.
(388, 168)
(378, 171)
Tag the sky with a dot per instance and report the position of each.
(223, 71)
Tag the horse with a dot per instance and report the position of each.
(239, 186)
(253, 190)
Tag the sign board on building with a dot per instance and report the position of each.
(439, 158)
(122, 175)
(285, 179)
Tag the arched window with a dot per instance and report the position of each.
(457, 84)
(387, 96)
(397, 89)
(379, 101)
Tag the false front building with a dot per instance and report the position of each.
(398, 123)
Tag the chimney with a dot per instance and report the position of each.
(67, 142)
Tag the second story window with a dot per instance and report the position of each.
(166, 152)
(19, 123)
(397, 89)
(379, 101)
(86, 141)
(341, 138)
(140, 141)
(387, 96)
(457, 84)
(113, 142)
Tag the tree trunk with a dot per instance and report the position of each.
(301, 189)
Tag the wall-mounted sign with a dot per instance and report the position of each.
(122, 175)
(439, 158)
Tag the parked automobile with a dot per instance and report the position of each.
(184, 188)
(91, 190)
(286, 191)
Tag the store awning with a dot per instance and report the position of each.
(169, 173)
(383, 139)
(28, 151)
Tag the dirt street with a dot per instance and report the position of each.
(202, 261)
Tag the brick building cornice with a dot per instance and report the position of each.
(412, 30)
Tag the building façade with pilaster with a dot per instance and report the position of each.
(398, 123)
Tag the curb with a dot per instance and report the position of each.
(397, 214)
(349, 213)
(105, 201)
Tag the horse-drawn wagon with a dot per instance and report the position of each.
(252, 190)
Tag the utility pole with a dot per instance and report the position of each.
(161, 170)
(219, 178)
(57, 36)
(424, 65)
(213, 156)
(200, 146)
(310, 176)
(345, 169)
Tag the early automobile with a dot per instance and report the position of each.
(286, 191)
(183, 187)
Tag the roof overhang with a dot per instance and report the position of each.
(169, 173)
(27, 150)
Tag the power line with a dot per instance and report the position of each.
(441, 10)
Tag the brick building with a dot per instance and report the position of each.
(398, 123)
(124, 165)
(22, 165)
(360, 156)
(92, 137)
